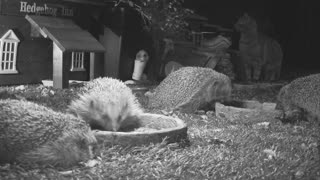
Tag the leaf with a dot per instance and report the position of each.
(270, 153)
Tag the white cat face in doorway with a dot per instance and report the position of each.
(142, 55)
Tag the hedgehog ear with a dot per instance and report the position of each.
(91, 104)
(125, 107)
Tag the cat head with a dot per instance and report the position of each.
(142, 55)
(246, 23)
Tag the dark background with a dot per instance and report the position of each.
(295, 25)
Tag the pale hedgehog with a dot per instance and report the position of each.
(106, 103)
(33, 134)
(301, 98)
(189, 88)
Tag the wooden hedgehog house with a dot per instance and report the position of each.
(152, 128)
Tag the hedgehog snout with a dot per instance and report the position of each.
(116, 125)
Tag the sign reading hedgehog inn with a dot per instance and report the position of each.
(41, 40)
(44, 9)
(38, 8)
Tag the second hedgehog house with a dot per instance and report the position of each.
(107, 104)
(190, 88)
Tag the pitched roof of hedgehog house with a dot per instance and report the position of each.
(7, 33)
(65, 33)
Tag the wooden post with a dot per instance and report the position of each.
(60, 68)
(92, 66)
(112, 43)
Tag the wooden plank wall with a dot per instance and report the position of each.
(34, 58)
(112, 43)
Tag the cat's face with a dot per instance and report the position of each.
(245, 23)
(142, 55)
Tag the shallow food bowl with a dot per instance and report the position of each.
(153, 128)
(140, 89)
(246, 110)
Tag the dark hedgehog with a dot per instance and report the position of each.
(301, 98)
(106, 103)
(189, 88)
(31, 133)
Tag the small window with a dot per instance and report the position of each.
(77, 61)
(8, 53)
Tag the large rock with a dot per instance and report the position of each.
(301, 98)
(189, 88)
